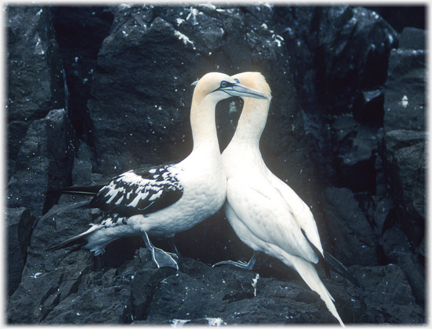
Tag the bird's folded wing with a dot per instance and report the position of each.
(139, 192)
(268, 218)
(301, 211)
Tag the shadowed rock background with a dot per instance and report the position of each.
(95, 91)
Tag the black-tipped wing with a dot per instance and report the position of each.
(140, 191)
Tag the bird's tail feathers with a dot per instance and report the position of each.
(328, 261)
(320, 254)
(338, 267)
(78, 241)
(309, 274)
(77, 190)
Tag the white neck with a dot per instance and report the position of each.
(203, 124)
(252, 122)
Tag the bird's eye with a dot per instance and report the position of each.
(237, 80)
(224, 84)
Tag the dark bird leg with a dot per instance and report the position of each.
(245, 265)
(173, 247)
(160, 257)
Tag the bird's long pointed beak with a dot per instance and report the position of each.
(243, 91)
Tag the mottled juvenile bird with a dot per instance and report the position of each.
(266, 213)
(167, 199)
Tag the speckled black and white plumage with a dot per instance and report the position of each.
(139, 191)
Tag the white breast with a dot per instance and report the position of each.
(203, 179)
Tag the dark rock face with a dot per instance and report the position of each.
(405, 145)
(354, 241)
(400, 17)
(345, 130)
(35, 76)
(349, 45)
(79, 33)
(39, 165)
(19, 224)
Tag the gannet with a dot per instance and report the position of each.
(167, 199)
(266, 213)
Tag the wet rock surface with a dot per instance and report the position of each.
(94, 91)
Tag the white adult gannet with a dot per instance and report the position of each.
(266, 213)
(167, 199)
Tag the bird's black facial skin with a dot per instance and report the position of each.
(223, 85)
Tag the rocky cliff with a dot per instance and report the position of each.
(94, 91)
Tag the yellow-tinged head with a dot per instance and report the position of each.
(209, 90)
(254, 80)
(219, 86)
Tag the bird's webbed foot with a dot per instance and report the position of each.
(160, 258)
(241, 264)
